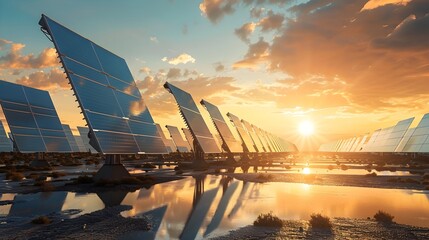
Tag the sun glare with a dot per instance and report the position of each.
(306, 128)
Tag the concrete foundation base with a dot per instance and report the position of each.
(37, 163)
(112, 172)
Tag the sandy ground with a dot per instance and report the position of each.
(343, 228)
(393, 182)
(104, 224)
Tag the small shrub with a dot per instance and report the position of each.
(383, 217)
(317, 220)
(41, 220)
(344, 167)
(14, 176)
(373, 174)
(331, 167)
(268, 220)
(58, 174)
(84, 179)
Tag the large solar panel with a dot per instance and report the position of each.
(261, 138)
(361, 143)
(419, 140)
(405, 140)
(181, 144)
(253, 136)
(395, 136)
(70, 138)
(168, 142)
(369, 145)
(245, 137)
(118, 119)
(32, 119)
(193, 119)
(188, 137)
(84, 131)
(221, 126)
(5, 143)
(270, 141)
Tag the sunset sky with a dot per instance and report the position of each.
(348, 67)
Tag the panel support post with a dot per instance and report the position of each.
(198, 161)
(112, 170)
(40, 161)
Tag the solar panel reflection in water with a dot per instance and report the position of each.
(419, 140)
(5, 143)
(119, 120)
(188, 137)
(169, 143)
(221, 126)
(245, 137)
(181, 144)
(193, 119)
(70, 138)
(32, 119)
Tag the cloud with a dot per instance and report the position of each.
(256, 12)
(173, 73)
(161, 103)
(244, 31)
(215, 10)
(14, 59)
(154, 39)
(378, 3)
(52, 80)
(219, 67)
(182, 58)
(145, 70)
(137, 107)
(411, 33)
(257, 53)
(271, 22)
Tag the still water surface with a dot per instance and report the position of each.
(209, 205)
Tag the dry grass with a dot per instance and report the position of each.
(41, 220)
(317, 220)
(14, 176)
(383, 217)
(268, 220)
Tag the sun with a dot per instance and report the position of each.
(306, 128)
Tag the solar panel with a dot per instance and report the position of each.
(405, 140)
(193, 119)
(118, 119)
(261, 138)
(188, 137)
(245, 137)
(221, 126)
(169, 143)
(360, 145)
(70, 138)
(32, 119)
(395, 136)
(181, 144)
(419, 140)
(79, 143)
(369, 145)
(256, 143)
(84, 131)
(5, 143)
(269, 141)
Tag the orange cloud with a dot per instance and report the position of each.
(216, 9)
(52, 80)
(15, 60)
(244, 31)
(182, 58)
(257, 53)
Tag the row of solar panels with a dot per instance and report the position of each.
(118, 120)
(398, 138)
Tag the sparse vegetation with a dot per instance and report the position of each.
(14, 176)
(373, 174)
(344, 167)
(383, 217)
(264, 177)
(83, 180)
(41, 220)
(317, 220)
(268, 220)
